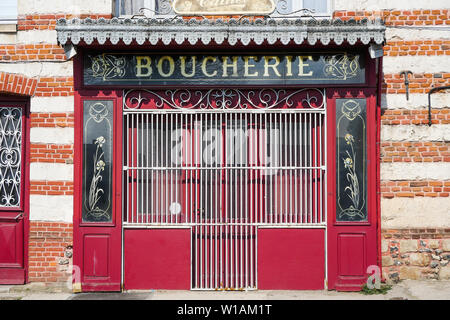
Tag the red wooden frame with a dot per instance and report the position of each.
(20, 275)
(370, 90)
(95, 232)
(353, 232)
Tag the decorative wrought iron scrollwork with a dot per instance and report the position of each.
(224, 99)
(10, 156)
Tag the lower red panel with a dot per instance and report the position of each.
(12, 276)
(157, 259)
(291, 259)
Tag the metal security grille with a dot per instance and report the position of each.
(224, 172)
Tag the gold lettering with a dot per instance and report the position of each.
(273, 66)
(140, 65)
(171, 66)
(302, 65)
(247, 65)
(226, 65)
(289, 66)
(205, 61)
(183, 66)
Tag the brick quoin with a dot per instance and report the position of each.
(421, 17)
(428, 151)
(414, 188)
(49, 247)
(52, 120)
(55, 87)
(48, 21)
(418, 82)
(31, 52)
(51, 188)
(415, 117)
(417, 48)
(53, 153)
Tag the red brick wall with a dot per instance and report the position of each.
(54, 153)
(52, 120)
(52, 188)
(429, 151)
(17, 84)
(411, 189)
(50, 251)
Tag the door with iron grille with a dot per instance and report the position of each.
(223, 164)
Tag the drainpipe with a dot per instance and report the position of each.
(378, 166)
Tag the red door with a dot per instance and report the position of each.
(97, 206)
(352, 176)
(13, 200)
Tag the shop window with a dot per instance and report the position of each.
(8, 15)
(127, 8)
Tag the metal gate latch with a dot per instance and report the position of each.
(406, 82)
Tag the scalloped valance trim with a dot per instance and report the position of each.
(146, 30)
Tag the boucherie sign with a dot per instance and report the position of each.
(223, 7)
(224, 69)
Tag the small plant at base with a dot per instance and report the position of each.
(384, 288)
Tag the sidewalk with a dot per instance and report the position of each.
(407, 289)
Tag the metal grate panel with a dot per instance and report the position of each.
(224, 173)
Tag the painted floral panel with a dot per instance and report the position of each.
(351, 160)
(97, 160)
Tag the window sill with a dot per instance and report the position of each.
(8, 28)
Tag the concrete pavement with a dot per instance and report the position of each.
(405, 290)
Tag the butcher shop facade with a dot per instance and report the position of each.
(225, 155)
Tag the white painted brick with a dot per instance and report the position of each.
(37, 36)
(418, 212)
(389, 4)
(39, 69)
(436, 132)
(417, 33)
(52, 104)
(8, 38)
(417, 64)
(415, 101)
(64, 6)
(51, 171)
(415, 171)
(51, 208)
(52, 135)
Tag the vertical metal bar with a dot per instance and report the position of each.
(222, 202)
(166, 165)
(200, 164)
(127, 181)
(286, 174)
(227, 182)
(147, 153)
(291, 195)
(309, 171)
(141, 170)
(133, 161)
(241, 195)
(277, 156)
(216, 197)
(158, 164)
(315, 170)
(296, 147)
(246, 197)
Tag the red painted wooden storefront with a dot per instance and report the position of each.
(258, 230)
